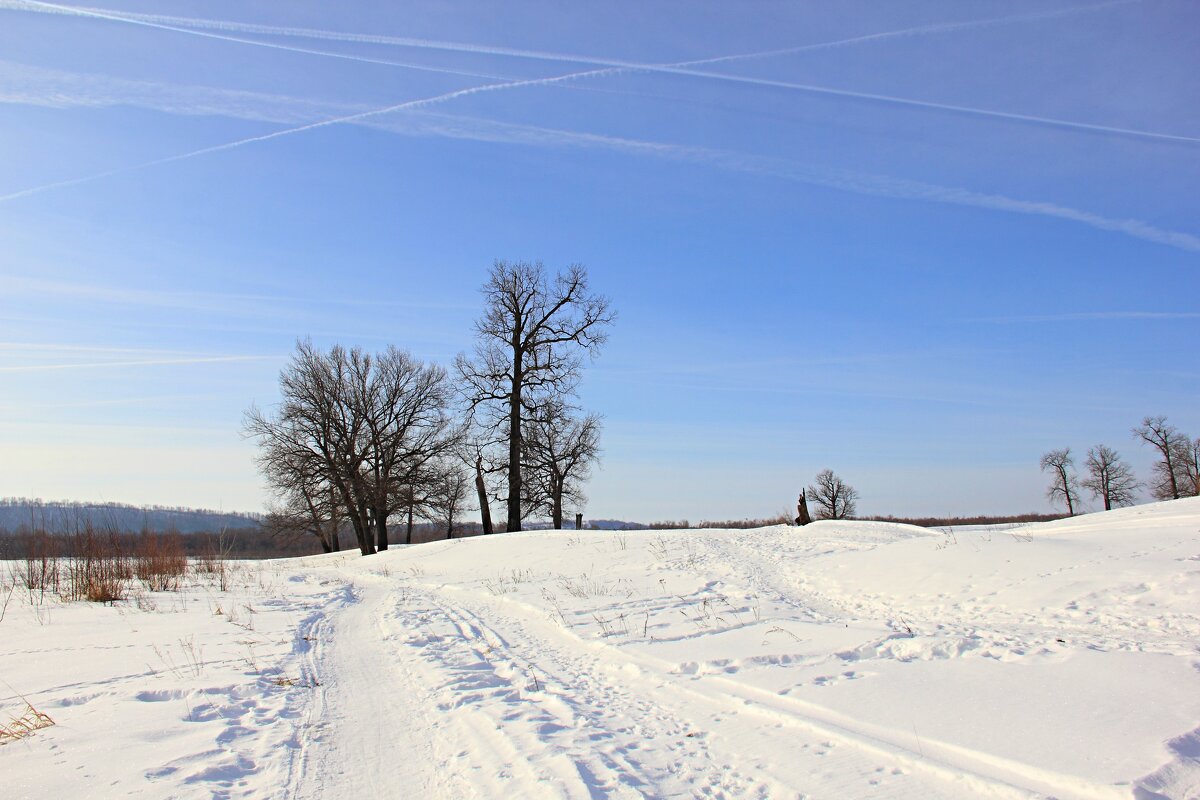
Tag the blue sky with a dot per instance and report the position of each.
(919, 243)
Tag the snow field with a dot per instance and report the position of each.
(839, 660)
(197, 692)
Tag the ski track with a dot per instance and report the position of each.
(553, 716)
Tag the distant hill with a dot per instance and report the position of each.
(62, 516)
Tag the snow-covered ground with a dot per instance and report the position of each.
(839, 660)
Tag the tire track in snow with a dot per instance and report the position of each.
(355, 742)
(717, 701)
(617, 695)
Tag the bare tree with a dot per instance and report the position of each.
(560, 450)
(529, 347)
(1109, 478)
(834, 498)
(305, 504)
(316, 432)
(1170, 443)
(1187, 469)
(449, 496)
(355, 425)
(481, 491)
(1065, 485)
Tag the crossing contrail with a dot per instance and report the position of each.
(610, 66)
(865, 184)
(189, 24)
(363, 115)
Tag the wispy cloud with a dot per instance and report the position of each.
(256, 305)
(816, 175)
(132, 363)
(612, 66)
(50, 88)
(1094, 316)
(72, 349)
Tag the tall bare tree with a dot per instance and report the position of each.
(1171, 444)
(560, 449)
(834, 498)
(1109, 478)
(1065, 485)
(529, 347)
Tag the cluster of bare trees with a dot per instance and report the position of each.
(365, 441)
(1111, 480)
(357, 438)
(1177, 472)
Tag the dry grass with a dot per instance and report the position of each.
(25, 725)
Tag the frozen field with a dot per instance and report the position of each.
(840, 660)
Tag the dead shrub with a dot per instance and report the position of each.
(99, 570)
(160, 562)
(39, 572)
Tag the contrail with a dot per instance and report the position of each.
(858, 183)
(148, 21)
(864, 184)
(175, 23)
(920, 30)
(610, 66)
(840, 180)
(406, 105)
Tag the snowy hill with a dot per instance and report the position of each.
(844, 659)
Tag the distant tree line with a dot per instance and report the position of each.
(16, 511)
(1107, 477)
(366, 442)
(252, 542)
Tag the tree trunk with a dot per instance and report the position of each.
(514, 440)
(485, 512)
(1166, 451)
(556, 508)
(362, 529)
(365, 545)
(357, 513)
(1067, 492)
(381, 531)
(408, 529)
(802, 515)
